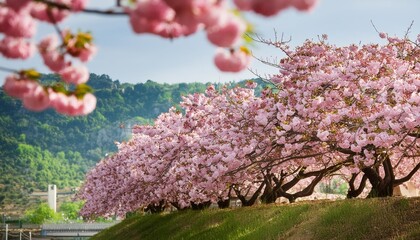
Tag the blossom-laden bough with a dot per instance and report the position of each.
(66, 52)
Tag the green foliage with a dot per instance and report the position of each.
(42, 214)
(334, 186)
(70, 210)
(347, 219)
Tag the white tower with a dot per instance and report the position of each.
(52, 197)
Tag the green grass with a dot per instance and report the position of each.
(386, 218)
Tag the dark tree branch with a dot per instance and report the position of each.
(305, 192)
(353, 192)
(406, 178)
(372, 175)
(293, 182)
(389, 172)
(93, 11)
(5, 69)
(254, 197)
(416, 135)
(309, 189)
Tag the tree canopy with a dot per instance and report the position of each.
(350, 110)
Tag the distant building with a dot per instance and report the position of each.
(52, 197)
(407, 189)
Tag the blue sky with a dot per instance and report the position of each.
(133, 58)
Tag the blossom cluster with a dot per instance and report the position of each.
(362, 101)
(65, 54)
(358, 98)
(176, 159)
(224, 28)
(18, 20)
(270, 8)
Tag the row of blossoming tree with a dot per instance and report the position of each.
(65, 52)
(352, 111)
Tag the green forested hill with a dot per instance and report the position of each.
(41, 148)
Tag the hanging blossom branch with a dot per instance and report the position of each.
(163, 18)
(86, 10)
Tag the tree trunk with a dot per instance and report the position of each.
(178, 207)
(156, 208)
(252, 200)
(200, 206)
(353, 192)
(223, 203)
(273, 184)
(381, 187)
(269, 196)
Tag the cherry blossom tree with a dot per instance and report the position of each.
(66, 51)
(176, 161)
(360, 101)
(353, 108)
(224, 144)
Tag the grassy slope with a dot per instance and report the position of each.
(389, 218)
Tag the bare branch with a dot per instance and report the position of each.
(276, 43)
(408, 30)
(371, 21)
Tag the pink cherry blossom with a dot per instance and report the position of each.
(75, 74)
(17, 5)
(227, 32)
(269, 8)
(141, 24)
(55, 61)
(49, 43)
(71, 105)
(156, 10)
(323, 136)
(50, 52)
(77, 5)
(382, 35)
(16, 48)
(231, 61)
(89, 103)
(17, 87)
(304, 5)
(251, 84)
(41, 12)
(36, 100)
(244, 4)
(86, 54)
(16, 24)
(370, 100)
